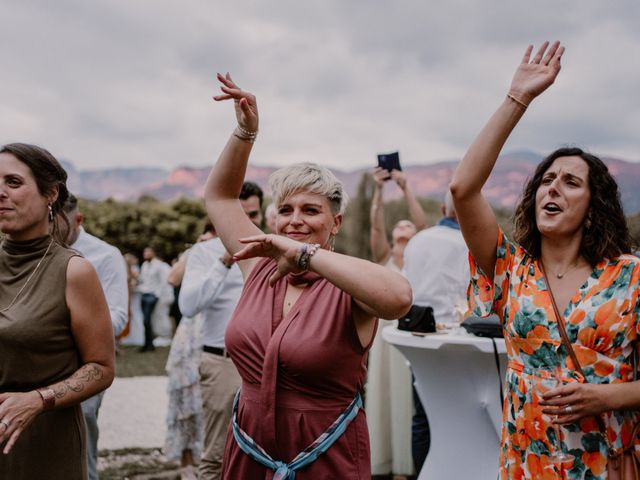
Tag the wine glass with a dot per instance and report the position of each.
(543, 381)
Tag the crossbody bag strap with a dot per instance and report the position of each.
(570, 350)
(562, 329)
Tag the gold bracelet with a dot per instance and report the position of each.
(48, 398)
(519, 102)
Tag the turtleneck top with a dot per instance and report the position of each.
(37, 349)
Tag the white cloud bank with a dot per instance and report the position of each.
(124, 83)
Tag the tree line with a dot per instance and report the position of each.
(171, 227)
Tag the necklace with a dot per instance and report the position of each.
(560, 275)
(28, 279)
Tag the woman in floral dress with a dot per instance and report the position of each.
(569, 224)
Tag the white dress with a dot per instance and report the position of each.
(389, 405)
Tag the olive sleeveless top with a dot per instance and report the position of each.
(37, 349)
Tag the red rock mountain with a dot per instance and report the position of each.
(503, 189)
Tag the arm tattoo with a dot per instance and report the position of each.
(82, 377)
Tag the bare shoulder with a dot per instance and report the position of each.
(79, 271)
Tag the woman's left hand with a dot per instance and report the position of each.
(574, 401)
(282, 249)
(17, 411)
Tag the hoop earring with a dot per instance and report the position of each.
(50, 213)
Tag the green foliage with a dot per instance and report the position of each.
(131, 226)
(171, 227)
(354, 236)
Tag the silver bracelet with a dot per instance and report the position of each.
(306, 251)
(245, 135)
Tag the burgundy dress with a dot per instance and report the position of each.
(299, 373)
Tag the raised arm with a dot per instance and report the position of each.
(477, 220)
(416, 212)
(225, 180)
(380, 248)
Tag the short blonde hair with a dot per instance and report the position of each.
(311, 178)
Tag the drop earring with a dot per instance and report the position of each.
(50, 213)
(332, 243)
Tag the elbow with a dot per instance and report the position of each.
(402, 300)
(458, 190)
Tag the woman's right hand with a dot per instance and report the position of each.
(534, 76)
(245, 103)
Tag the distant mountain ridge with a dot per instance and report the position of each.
(503, 189)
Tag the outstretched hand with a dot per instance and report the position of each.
(245, 103)
(282, 249)
(534, 76)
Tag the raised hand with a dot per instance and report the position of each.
(534, 76)
(245, 103)
(282, 249)
(380, 175)
(400, 178)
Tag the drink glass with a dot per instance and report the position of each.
(543, 381)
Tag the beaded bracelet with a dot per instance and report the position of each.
(245, 135)
(306, 251)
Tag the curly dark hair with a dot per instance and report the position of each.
(48, 174)
(606, 235)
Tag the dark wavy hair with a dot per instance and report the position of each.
(48, 174)
(605, 235)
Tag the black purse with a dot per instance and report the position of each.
(489, 327)
(418, 320)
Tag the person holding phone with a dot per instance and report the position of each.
(302, 329)
(566, 291)
(389, 402)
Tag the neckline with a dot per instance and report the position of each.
(577, 294)
(34, 245)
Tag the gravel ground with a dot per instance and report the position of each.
(133, 414)
(132, 431)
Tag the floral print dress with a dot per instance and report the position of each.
(602, 324)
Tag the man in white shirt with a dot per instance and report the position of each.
(110, 266)
(437, 267)
(212, 285)
(151, 283)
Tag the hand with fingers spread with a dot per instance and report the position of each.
(282, 249)
(534, 76)
(573, 401)
(17, 411)
(245, 103)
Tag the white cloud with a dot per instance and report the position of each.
(130, 83)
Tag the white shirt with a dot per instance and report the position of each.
(153, 277)
(436, 263)
(112, 273)
(211, 288)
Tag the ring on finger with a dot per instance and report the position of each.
(568, 409)
(6, 424)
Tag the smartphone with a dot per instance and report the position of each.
(389, 161)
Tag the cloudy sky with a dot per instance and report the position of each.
(129, 82)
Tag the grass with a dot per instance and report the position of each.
(132, 363)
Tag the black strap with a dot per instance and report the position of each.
(497, 358)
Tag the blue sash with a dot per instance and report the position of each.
(287, 471)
